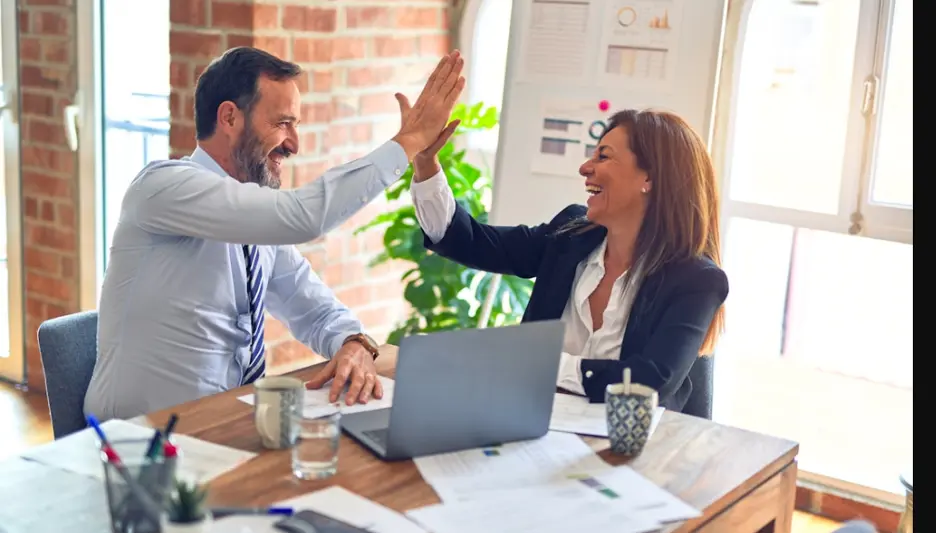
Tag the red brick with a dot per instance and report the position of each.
(188, 12)
(30, 49)
(40, 131)
(312, 50)
(361, 133)
(370, 76)
(433, 45)
(368, 17)
(289, 352)
(47, 286)
(322, 81)
(316, 260)
(39, 184)
(266, 17)
(274, 45)
(349, 48)
(344, 107)
(236, 40)
(180, 74)
(38, 104)
(375, 104)
(310, 19)
(274, 330)
(24, 22)
(50, 237)
(193, 44)
(50, 23)
(417, 17)
(182, 137)
(62, 161)
(231, 15)
(57, 51)
(66, 216)
(374, 317)
(31, 207)
(40, 78)
(42, 261)
(394, 46)
(309, 143)
(316, 112)
(47, 212)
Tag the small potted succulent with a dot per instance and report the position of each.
(185, 509)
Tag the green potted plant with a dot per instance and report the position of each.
(185, 510)
(442, 294)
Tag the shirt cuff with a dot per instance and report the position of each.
(570, 374)
(390, 160)
(436, 184)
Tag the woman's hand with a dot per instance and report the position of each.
(426, 163)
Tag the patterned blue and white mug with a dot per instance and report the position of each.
(277, 399)
(630, 410)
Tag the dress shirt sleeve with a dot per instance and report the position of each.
(191, 201)
(435, 205)
(298, 297)
(570, 373)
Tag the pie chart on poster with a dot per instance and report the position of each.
(626, 16)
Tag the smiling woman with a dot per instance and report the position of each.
(648, 240)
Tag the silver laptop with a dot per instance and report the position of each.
(465, 389)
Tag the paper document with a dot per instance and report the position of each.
(556, 39)
(615, 500)
(316, 399)
(39, 498)
(335, 502)
(469, 474)
(639, 44)
(548, 514)
(568, 132)
(575, 414)
(78, 453)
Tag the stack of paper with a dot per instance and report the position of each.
(78, 453)
(554, 484)
(315, 400)
(575, 414)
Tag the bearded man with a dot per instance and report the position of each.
(205, 245)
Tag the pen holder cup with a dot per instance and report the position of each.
(137, 492)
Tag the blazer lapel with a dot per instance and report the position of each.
(555, 289)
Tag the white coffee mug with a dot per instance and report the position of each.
(277, 400)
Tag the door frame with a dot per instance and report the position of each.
(88, 111)
(13, 367)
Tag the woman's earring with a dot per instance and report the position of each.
(644, 190)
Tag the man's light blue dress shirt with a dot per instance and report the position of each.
(174, 320)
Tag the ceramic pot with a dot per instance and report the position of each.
(202, 527)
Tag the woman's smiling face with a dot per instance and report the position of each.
(613, 179)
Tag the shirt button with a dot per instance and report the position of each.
(588, 374)
(397, 172)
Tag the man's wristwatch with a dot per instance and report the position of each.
(366, 341)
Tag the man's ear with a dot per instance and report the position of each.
(230, 118)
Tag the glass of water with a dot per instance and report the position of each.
(315, 444)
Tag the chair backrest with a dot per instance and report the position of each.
(702, 376)
(68, 347)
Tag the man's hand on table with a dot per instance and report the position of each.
(351, 364)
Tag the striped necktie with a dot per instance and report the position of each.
(255, 294)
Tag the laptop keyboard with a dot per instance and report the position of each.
(379, 436)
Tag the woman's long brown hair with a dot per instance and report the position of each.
(682, 217)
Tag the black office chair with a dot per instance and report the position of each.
(702, 376)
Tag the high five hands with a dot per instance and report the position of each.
(425, 123)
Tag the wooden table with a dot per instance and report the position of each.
(742, 481)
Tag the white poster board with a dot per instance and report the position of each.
(569, 59)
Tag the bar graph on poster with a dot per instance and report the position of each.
(639, 44)
(568, 135)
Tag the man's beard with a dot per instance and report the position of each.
(251, 161)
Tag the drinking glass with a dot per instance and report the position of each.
(315, 442)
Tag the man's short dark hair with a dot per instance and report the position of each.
(234, 77)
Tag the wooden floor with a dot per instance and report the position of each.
(26, 414)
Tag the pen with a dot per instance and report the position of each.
(150, 507)
(170, 425)
(93, 423)
(153, 446)
(225, 511)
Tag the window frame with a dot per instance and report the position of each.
(477, 152)
(879, 222)
(856, 214)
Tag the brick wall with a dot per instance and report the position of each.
(356, 54)
(48, 76)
